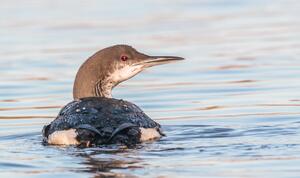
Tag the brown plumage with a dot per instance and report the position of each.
(94, 117)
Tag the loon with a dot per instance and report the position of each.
(94, 118)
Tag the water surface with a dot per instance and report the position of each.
(230, 110)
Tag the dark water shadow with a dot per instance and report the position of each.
(103, 161)
(9, 165)
(19, 136)
(196, 141)
(107, 161)
(189, 132)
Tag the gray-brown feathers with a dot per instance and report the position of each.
(104, 70)
(94, 117)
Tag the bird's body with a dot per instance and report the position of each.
(94, 118)
(101, 120)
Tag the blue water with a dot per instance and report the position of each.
(232, 109)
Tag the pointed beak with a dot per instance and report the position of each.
(158, 60)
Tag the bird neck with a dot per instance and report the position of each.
(103, 88)
(92, 81)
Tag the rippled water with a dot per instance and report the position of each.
(230, 110)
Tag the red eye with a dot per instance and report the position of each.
(124, 58)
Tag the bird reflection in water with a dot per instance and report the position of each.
(102, 161)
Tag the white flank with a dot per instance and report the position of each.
(64, 137)
(149, 134)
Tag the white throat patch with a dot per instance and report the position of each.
(125, 73)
